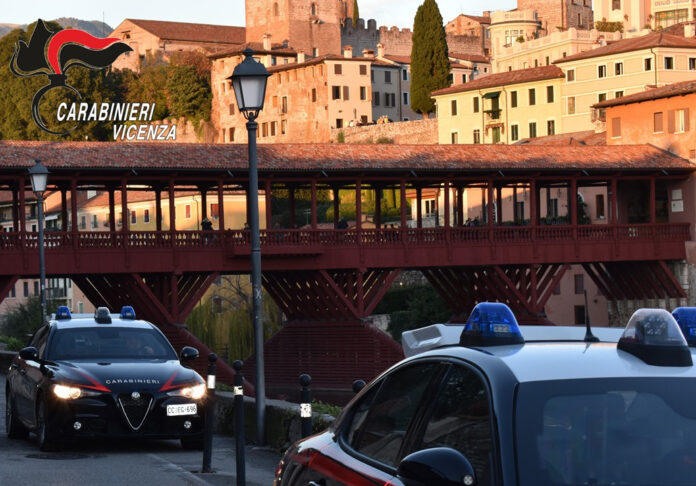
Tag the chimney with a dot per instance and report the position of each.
(486, 13)
(368, 53)
(689, 30)
(266, 42)
(300, 57)
(348, 51)
(380, 50)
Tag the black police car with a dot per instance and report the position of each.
(106, 376)
(482, 405)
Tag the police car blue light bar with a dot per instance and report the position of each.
(63, 313)
(653, 336)
(686, 318)
(491, 324)
(127, 312)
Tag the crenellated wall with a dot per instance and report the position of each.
(398, 42)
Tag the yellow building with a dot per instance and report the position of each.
(93, 215)
(502, 107)
(621, 68)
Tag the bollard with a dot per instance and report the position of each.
(209, 416)
(358, 385)
(305, 405)
(239, 421)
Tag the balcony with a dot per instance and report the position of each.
(493, 115)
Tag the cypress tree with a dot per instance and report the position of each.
(356, 13)
(430, 66)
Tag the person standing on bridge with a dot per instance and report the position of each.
(207, 226)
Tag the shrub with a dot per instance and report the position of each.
(385, 140)
(604, 26)
(341, 137)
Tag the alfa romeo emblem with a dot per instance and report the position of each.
(135, 396)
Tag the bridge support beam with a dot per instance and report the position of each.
(329, 294)
(525, 288)
(635, 280)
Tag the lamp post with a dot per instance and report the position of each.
(249, 81)
(39, 177)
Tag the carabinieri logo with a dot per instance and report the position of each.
(53, 53)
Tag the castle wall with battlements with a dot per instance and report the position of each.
(398, 42)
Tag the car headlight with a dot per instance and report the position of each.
(195, 392)
(66, 392)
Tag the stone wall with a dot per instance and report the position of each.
(416, 132)
(398, 42)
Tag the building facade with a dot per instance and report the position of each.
(155, 37)
(502, 107)
(622, 68)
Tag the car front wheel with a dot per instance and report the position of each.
(43, 431)
(14, 428)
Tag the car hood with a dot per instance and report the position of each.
(114, 376)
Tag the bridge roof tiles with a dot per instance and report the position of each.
(337, 158)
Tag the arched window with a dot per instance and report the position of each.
(314, 8)
(275, 9)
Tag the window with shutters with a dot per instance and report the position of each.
(363, 93)
(616, 127)
(532, 130)
(514, 133)
(532, 97)
(571, 105)
(454, 108)
(658, 122)
(476, 104)
(335, 92)
(513, 99)
(618, 68)
(669, 62)
(363, 70)
(549, 94)
(338, 68)
(550, 127)
(602, 71)
(387, 77)
(670, 121)
(477, 136)
(346, 93)
(455, 138)
(375, 98)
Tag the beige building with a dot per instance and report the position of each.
(545, 50)
(152, 37)
(635, 15)
(502, 107)
(512, 27)
(624, 67)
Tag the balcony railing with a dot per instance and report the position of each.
(493, 114)
(294, 238)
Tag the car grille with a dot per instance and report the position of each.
(135, 410)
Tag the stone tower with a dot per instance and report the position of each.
(563, 14)
(311, 26)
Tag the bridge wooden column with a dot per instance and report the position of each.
(525, 288)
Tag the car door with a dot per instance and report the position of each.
(30, 376)
(370, 440)
(459, 416)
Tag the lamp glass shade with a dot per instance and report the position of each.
(39, 177)
(250, 92)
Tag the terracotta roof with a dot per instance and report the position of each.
(676, 89)
(654, 39)
(676, 29)
(477, 18)
(257, 47)
(102, 198)
(587, 137)
(399, 59)
(217, 159)
(504, 79)
(185, 31)
(470, 57)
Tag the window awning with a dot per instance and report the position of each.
(493, 94)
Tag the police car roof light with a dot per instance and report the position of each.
(127, 312)
(653, 336)
(102, 315)
(491, 324)
(63, 313)
(686, 318)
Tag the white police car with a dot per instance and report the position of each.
(555, 407)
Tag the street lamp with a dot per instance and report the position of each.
(39, 177)
(249, 81)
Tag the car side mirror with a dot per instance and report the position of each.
(440, 465)
(188, 353)
(30, 353)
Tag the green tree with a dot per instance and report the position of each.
(24, 319)
(189, 95)
(356, 13)
(430, 66)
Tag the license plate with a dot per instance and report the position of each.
(186, 409)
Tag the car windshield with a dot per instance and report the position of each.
(639, 432)
(97, 343)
